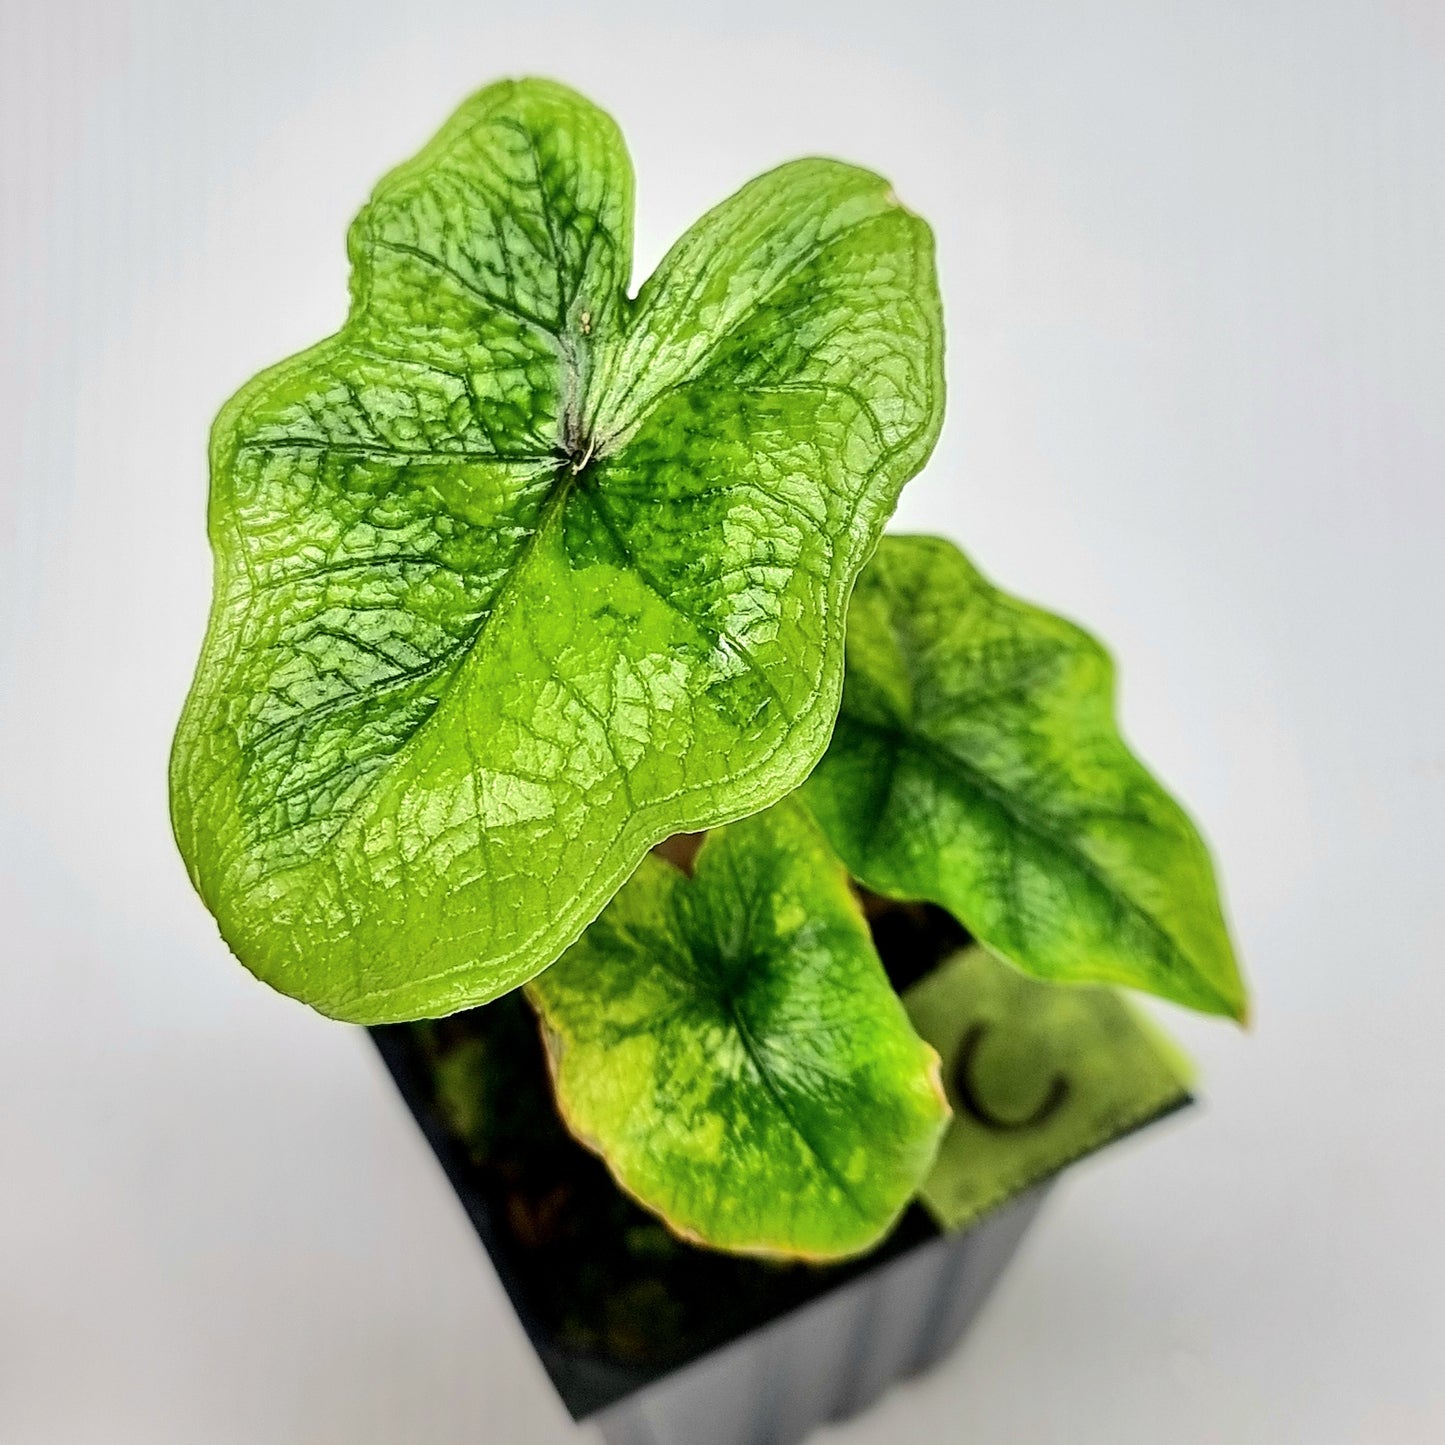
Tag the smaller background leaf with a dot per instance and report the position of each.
(1038, 1075)
(731, 1046)
(977, 764)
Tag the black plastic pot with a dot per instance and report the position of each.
(798, 1346)
(830, 1359)
(664, 1343)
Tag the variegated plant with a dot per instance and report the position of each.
(520, 573)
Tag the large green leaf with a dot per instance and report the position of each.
(977, 764)
(1038, 1075)
(516, 576)
(731, 1046)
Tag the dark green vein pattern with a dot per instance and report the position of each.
(977, 764)
(515, 575)
(732, 1048)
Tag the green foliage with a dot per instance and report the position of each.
(977, 764)
(732, 1047)
(515, 576)
(518, 575)
(1037, 1076)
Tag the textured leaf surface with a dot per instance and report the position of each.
(977, 764)
(1038, 1076)
(731, 1046)
(516, 576)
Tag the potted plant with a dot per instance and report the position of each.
(737, 894)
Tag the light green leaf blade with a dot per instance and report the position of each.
(977, 764)
(732, 1048)
(1038, 1075)
(514, 577)
(801, 283)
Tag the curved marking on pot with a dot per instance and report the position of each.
(968, 1095)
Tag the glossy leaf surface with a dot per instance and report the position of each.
(1038, 1075)
(731, 1046)
(516, 576)
(977, 764)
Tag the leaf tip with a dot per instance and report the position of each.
(1231, 1000)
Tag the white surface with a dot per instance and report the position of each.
(1193, 258)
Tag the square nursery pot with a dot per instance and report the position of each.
(653, 1339)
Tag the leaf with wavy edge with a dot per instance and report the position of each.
(733, 1049)
(516, 576)
(977, 764)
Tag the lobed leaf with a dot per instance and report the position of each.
(977, 764)
(731, 1046)
(516, 576)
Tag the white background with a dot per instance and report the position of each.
(1193, 258)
